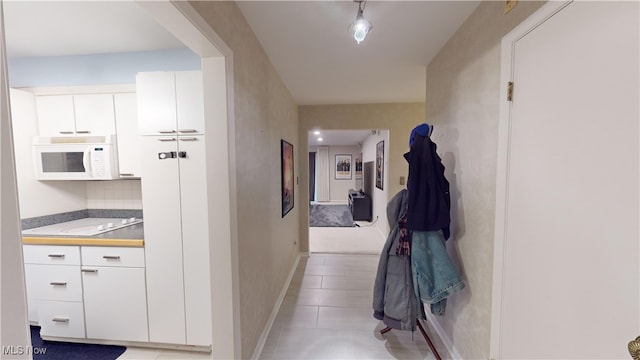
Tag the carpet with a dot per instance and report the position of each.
(55, 350)
(330, 216)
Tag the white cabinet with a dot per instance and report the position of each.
(89, 292)
(115, 303)
(177, 249)
(170, 102)
(86, 114)
(54, 289)
(175, 206)
(126, 113)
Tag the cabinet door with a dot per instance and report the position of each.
(156, 94)
(94, 114)
(115, 303)
(127, 134)
(55, 115)
(189, 102)
(163, 240)
(195, 240)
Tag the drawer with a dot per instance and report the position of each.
(53, 282)
(61, 318)
(51, 254)
(112, 256)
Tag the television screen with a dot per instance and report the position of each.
(368, 173)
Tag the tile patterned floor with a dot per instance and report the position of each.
(327, 314)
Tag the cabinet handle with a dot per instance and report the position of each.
(126, 174)
(167, 131)
(62, 320)
(111, 257)
(66, 132)
(56, 256)
(187, 131)
(58, 283)
(90, 270)
(189, 139)
(167, 139)
(83, 132)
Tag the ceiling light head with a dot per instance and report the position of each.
(361, 27)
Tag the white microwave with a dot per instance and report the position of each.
(75, 157)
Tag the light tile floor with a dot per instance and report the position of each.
(327, 314)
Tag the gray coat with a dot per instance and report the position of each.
(394, 300)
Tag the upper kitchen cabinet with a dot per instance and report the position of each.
(86, 114)
(127, 135)
(170, 102)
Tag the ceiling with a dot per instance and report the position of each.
(306, 41)
(337, 137)
(320, 63)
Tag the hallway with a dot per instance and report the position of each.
(327, 314)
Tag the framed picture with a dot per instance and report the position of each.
(359, 168)
(343, 167)
(288, 177)
(380, 165)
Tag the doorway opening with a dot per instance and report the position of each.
(345, 206)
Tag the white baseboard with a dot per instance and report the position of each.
(274, 312)
(435, 325)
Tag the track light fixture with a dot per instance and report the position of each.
(361, 27)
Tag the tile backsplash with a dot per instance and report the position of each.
(114, 194)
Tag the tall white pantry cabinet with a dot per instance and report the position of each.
(171, 122)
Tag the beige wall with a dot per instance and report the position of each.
(399, 119)
(264, 113)
(462, 101)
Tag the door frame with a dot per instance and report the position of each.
(502, 177)
(188, 26)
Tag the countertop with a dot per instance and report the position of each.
(128, 236)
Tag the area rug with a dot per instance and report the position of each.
(330, 216)
(55, 350)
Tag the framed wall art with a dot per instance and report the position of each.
(288, 176)
(380, 165)
(343, 167)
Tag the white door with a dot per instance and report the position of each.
(163, 239)
(195, 239)
(94, 114)
(127, 134)
(189, 102)
(156, 93)
(55, 115)
(567, 222)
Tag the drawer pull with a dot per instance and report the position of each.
(83, 132)
(56, 255)
(111, 257)
(62, 320)
(167, 139)
(168, 131)
(66, 132)
(189, 139)
(187, 131)
(58, 283)
(90, 270)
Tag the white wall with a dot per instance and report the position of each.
(379, 198)
(463, 92)
(339, 189)
(118, 68)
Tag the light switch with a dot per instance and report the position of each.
(509, 4)
(401, 180)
